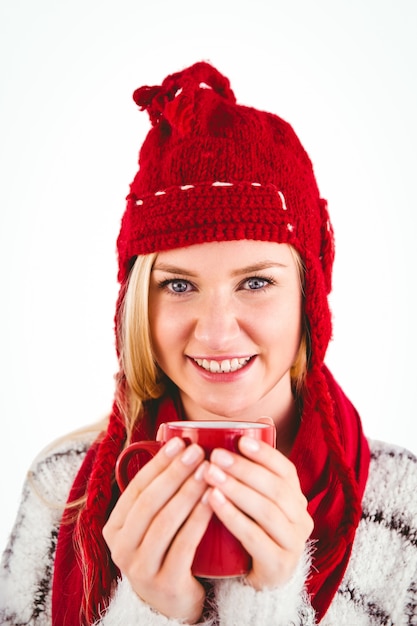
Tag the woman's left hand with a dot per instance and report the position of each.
(258, 498)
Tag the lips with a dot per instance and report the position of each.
(222, 367)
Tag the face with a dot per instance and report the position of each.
(226, 326)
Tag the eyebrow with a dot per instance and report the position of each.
(248, 269)
(256, 267)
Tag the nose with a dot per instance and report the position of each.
(216, 324)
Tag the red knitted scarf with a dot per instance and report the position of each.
(332, 460)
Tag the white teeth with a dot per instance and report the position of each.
(225, 366)
(235, 364)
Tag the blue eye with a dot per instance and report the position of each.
(179, 286)
(256, 282)
(176, 285)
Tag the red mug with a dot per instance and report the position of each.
(219, 554)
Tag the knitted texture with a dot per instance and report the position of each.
(379, 586)
(213, 170)
(89, 526)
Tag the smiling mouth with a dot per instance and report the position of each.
(222, 367)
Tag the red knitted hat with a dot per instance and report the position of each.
(213, 170)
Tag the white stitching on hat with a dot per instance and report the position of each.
(281, 195)
(220, 183)
(290, 227)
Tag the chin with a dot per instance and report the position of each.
(219, 412)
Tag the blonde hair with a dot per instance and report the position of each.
(143, 378)
(139, 371)
(300, 366)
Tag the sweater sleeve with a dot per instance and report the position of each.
(127, 609)
(26, 568)
(239, 604)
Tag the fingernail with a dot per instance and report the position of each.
(218, 496)
(265, 419)
(173, 446)
(205, 496)
(249, 444)
(222, 457)
(216, 474)
(191, 454)
(199, 473)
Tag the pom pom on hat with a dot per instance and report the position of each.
(174, 99)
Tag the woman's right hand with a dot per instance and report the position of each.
(156, 526)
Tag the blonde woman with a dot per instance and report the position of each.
(225, 264)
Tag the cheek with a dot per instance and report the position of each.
(282, 325)
(293, 320)
(167, 331)
(158, 330)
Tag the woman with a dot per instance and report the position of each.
(225, 261)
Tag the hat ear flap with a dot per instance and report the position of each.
(316, 307)
(327, 249)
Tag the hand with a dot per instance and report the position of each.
(156, 526)
(258, 498)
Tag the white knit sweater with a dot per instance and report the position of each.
(379, 587)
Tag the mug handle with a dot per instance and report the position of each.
(122, 463)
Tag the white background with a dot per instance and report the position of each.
(343, 73)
